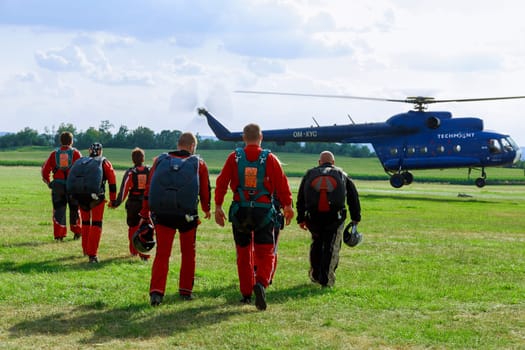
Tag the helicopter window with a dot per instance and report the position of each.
(441, 149)
(411, 150)
(494, 146)
(506, 145)
(457, 148)
(423, 149)
(393, 151)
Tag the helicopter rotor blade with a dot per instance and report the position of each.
(476, 99)
(317, 95)
(418, 100)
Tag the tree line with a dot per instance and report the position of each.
(146, 138)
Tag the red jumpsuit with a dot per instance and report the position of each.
(166, 227)
(137, 174)
(255, 246)
(59, 195)
(92, 212)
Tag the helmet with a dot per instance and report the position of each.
(350, 236)
(95, 149)
(142, 239)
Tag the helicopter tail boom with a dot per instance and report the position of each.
(350, 133)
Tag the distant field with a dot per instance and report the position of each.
(295, 165)
(441, 267)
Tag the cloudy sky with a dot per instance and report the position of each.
(151, 63)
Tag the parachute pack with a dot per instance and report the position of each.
(86, 176)
(140, 179)
(251, 180)
(251, 177)
(64, 158)
(174, 187)
(325, 190)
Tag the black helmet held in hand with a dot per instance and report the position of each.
(143, 239)
(350, 236)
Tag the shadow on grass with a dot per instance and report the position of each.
(59, 264)
(445, 199)
(28, 244)
(141, 321)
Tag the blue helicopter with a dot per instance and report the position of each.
(415, 140)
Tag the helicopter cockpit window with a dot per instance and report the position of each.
(512, 143)
(507, 147)
(494, 146)
(457, 148)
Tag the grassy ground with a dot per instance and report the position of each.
(441, 266)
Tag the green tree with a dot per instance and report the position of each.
(121, 137)
(105, 136)
(168, 139)
(86, 138)
(27, 137)
(142, 137)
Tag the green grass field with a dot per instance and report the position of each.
(441, 266)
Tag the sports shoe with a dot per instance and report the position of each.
(155, 298)
(186, 297)
(260, 296)
(93, 259)
(77, 236)
(246, 300)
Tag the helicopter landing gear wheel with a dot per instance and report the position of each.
(480, 182)
(397, 180)
(408, 177)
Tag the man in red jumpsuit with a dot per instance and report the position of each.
(92, 209)
(252, 215)
(59, 162)
(134, 184)
(168, 222)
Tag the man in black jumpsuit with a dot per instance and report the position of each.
(326, 226)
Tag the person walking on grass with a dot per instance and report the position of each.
(254, 175)
(133, 187)
(87, 184)
(177, 181)
(58, 163)
(321, 209)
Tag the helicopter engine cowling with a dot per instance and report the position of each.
(459, 124)
(419, 119)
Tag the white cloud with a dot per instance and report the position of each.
(68, 59)
(183, 66)
(27, 77)
(264, 67)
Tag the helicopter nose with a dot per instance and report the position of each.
(517, 158)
